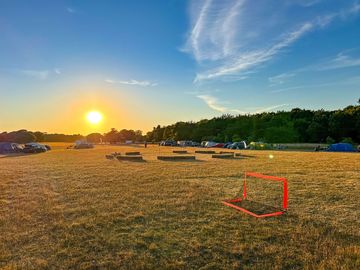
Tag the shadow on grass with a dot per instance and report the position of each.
(18, 155)
(181, 161)
(256, 207)
(246, 156)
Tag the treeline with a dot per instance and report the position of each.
(113, 136)
(25, 136)
(295, 126)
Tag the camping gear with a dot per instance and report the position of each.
(341, 147)
(8, 148)
(260, 146)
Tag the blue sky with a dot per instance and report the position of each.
(144, 63)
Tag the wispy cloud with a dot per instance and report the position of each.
(132, 82)
(306, 86)
(213, 103)
(254, 58)
(307, 3)
(280, 79)
(221, 106)
(342, 60)
(70, 10)
(57, 71)
(38, 74)
(225, 41)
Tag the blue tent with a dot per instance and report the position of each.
(341, 147)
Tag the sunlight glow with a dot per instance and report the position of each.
(94, 117)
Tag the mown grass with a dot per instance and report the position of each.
(74, 209)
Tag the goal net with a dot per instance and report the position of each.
(261, 195)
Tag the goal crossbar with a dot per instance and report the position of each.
(244, 195)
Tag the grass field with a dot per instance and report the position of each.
(74, 209)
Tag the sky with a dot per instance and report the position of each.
(142, 63)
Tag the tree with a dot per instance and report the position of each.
(94, 138)
(39, 136)
(112, 136)
(21, 136)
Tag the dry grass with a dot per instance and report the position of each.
(176, 158)
(221, 155)
(74, 209)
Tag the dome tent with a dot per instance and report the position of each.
(341, 147)
(259, 146)
(6, 148)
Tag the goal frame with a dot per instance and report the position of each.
(231, 202)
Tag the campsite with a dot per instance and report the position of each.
(71, 208)
(180, 135)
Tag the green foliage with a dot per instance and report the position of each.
(296, 126)
(20, 136)
(94, 138)
(329, 140)
(347, 140)
(236, 138)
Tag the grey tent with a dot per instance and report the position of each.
(6, 148)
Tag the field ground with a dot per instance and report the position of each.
(74, 209)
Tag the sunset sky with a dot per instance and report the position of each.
(143, 63)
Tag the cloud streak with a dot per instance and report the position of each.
(231, 38)
(132, 82)
(220, 106)
(280, 79)
(70, 10)
(213, 103)
(342, 60)
(37, 74)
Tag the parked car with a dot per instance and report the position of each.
(210, 144)
(168, 143)
(34, 148)
(47, 147)
(226, 145)
(185, 143)
(219, 145)
(195, 144)
(238, 145)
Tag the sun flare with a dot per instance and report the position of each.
(94, 117)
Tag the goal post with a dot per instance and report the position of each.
(231, 203)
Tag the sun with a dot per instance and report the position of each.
(94, 117)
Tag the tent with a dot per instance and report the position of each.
(259, 146)
(341, 147)
(6, 148)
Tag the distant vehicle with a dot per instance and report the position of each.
(8, 148)
(195, 144)
(226, 145)
(83, 145)
(210, 144)
(185, 143)
(237, 145)
(34, 148)
(168, 143)
(219, 145)
(47, 147)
